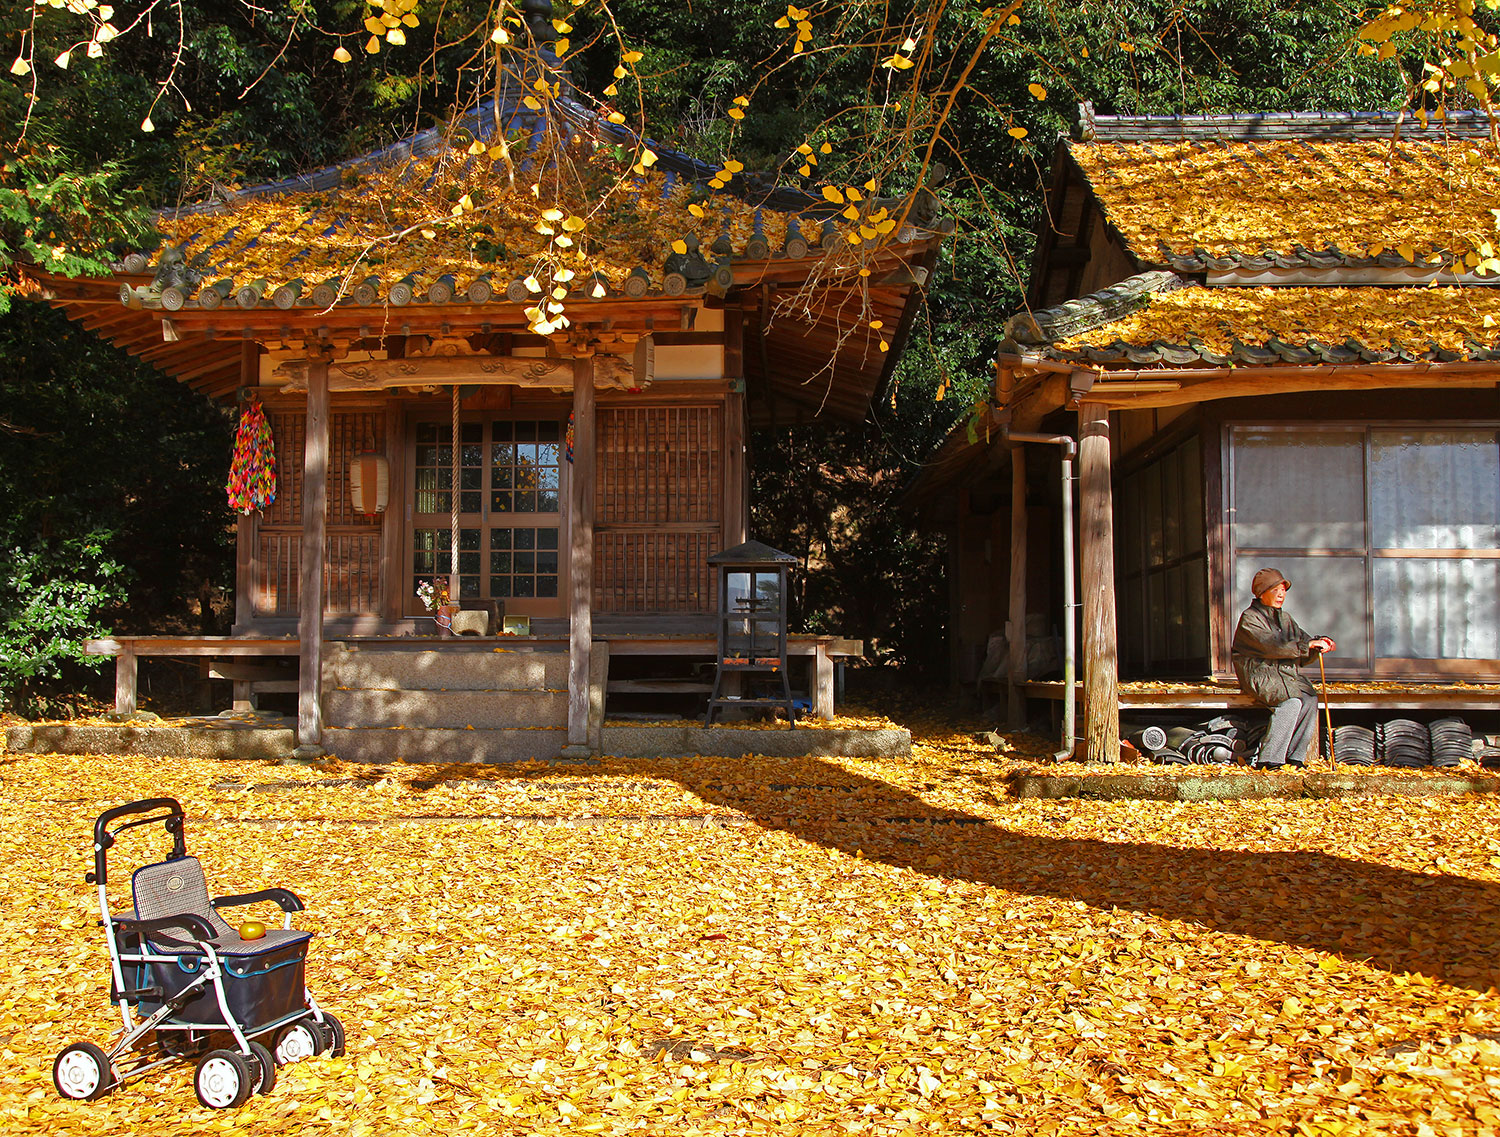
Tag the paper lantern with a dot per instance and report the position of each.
(370, 483)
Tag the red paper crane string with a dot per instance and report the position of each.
(252, 473)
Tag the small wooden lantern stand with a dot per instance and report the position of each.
(752, 623)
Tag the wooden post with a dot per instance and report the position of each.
(1015, 627)
(823, 681)
(125, 680)
(736, 476)
(314, 538)
(598, 692)
(1101, 668)
(581, 555)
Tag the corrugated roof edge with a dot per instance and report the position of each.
(1264, 127)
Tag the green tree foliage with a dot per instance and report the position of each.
(51, 598)
(111, 499)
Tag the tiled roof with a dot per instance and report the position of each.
(382, 228)
(1158, 319)
(1206, 198)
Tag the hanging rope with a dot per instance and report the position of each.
(252, 470)
(453, 521)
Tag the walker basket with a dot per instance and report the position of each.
(260, 987)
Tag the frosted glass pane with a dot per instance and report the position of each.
(1192, 496)
(1437, 609)
(1151, 514)
(1177, 612)
(1434, 489)
(1328, 597)
(1171, 508)
(1296, 489)
(1130, 528)
(1156, 618)
(1195, 603)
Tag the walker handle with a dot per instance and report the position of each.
(104, 839)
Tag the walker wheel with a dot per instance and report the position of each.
(262, 1055)
(83, 1072)
(298, 1040)
(333, 1035)
(225, 1079)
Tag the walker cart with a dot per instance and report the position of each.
(189, 986)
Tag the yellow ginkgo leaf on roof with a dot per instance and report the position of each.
(696, 210)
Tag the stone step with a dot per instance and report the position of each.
(461, 667)
(436, 745)
(388, 707)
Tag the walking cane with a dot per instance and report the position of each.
(1327, 715)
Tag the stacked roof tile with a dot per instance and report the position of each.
(1293, 238)
(443, 218)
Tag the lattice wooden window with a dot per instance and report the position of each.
(352, 570)
(658, 508)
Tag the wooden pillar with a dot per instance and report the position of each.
(125, 680)
(314, 538)
(736, 476)
(1101, 668)
(1015, 628)
(823, 681)
(581, 553)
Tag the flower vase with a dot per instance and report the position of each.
(444, 619)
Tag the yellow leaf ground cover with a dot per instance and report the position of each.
(795, 945)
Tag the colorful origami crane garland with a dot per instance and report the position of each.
(252, 472)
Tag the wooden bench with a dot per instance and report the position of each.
(821, 650)
(247, 677)
(127, 650)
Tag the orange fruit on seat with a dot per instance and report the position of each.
(252, 930)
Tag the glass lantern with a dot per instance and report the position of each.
(752, 590)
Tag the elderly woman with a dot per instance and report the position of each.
(1268, 649)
